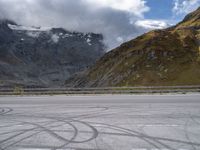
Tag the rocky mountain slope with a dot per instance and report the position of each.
(34, 56)
(160, 57)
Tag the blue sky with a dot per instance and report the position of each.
(172, 11)
(159, 9)
(163, 13)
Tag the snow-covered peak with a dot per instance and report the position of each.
(54, 34)
(26, 28)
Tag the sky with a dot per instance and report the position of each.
(117, 20)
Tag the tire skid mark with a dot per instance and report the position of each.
(95, 132)
(150, 137)
(5, 110)
(73, 137)
(7, 126)
(87, 114)
(37, 132)
(52, 148)
(186, 132)
(147, 140)
(151, 141)
(21, 140)
(61, 138)
(21, 132)
(72, 140)
(74, 120)
(197, 122)
(157, 141)
(5, 133)
(70, 122)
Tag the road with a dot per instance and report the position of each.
(109, 122)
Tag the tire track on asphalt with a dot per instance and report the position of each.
(70, 120)
(128, 133)
(146, 140)
(5, 111)
(49, 147)
(149, 137)
(149, 141)
(90, 115)
(186, 131)
(7, 126)
(21, 133)
(94, 136)
(192, 117)
(72, 140)
(87, 114)
(28, 130)
(143, 139)
(93, 130)
(161, 143)
(74, 120)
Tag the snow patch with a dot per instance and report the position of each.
(67, 35)
(33, 34)
(89, 41)
(89, 36)
(26, 28)
(60, 34)
(55, 38)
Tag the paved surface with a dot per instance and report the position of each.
(100, 123)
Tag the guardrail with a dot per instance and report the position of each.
(106, 90)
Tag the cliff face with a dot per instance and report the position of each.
(33, 56)
(160, 57)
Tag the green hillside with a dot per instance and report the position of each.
(160, 57)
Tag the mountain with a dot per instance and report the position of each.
(160, 57)
(46, 57)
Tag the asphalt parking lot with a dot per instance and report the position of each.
(109, 122)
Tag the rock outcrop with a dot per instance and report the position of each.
(34, 56)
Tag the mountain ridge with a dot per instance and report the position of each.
(160, 57)
(35, 56)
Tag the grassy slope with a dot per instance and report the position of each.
(160, 57)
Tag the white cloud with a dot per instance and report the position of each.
(120, 39)
(152, 24)
(182, 7)
(137, 7)
(112, 18)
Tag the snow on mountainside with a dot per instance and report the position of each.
(41, 56)
(26, 28)
(35, 32)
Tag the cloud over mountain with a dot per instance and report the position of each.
(182, 7)
(114, 18)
